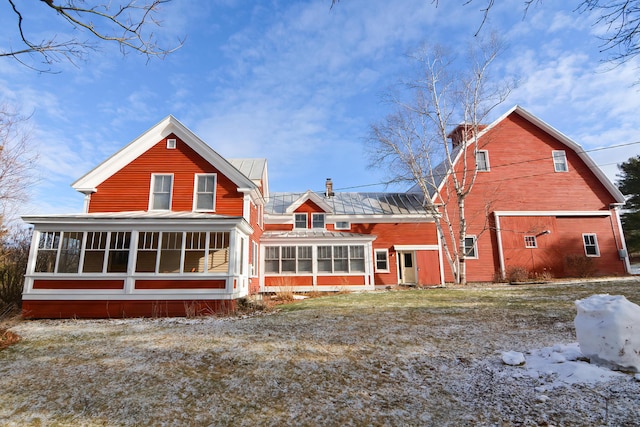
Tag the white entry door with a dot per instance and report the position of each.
(407, 267)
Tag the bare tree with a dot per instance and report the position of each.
(124, 23)
(17, 161)
(413, 142)
(620, 17)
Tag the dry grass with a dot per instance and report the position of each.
(419, 357)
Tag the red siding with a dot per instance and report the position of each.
(129, 188)
(340, 280)
(77, 284)
(180, 284)
(287, 281)
(417, 233)
(118, 309)
(522, 178)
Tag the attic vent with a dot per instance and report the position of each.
(171, 144)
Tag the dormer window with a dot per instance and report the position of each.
(161, 192)
(300, 221)
(205, 192)
(317, 220)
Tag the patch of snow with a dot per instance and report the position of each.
(559, 366)
(513, 358)
(607, 330)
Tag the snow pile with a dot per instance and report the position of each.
(608, 330)
(513, 358)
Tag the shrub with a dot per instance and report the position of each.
(14, 253)
(517, 273)
(579, 266)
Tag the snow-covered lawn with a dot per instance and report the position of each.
(421, 357)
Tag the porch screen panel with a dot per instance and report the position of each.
(119, 252)
(218, 258)
(70, 252)
(47, 251)
(195, 252)
(288, 259)
(341, 259)
(356, 259)
(147, 252)
(94, 251)
(324, 259)
(170, 252)
(305, 261)
(272, 259)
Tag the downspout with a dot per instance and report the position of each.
(503, 273)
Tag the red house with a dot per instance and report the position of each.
(172, 228)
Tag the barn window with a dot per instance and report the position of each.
(471, 247)
(560, 161)
(591, 245)
(482, 161)
(530, 242)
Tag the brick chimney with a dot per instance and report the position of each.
(329, 188)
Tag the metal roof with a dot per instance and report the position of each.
(314, 234)
(355, 203)
(251, 168)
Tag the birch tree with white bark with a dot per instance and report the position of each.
(413, 143)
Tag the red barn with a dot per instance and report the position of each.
(172, 228)
(539, 204)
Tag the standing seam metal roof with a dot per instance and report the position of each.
(355, 203)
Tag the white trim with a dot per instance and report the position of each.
(310, 195)
(552, 213)
(627, 263)
(196, 177)
(416, 247)
(503, 270)
(597, 246)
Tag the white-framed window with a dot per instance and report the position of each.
(338, 259)
(382, 260)
(591, 245)
(560, 161)
(317, 220)
(482, 161)
(342, 225)
(205, 192)
(530, 242)
(300, 221)
(471, 246)
(305, 259)
(161, 186)
(171, 144)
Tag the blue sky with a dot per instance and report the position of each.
(299, 83)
